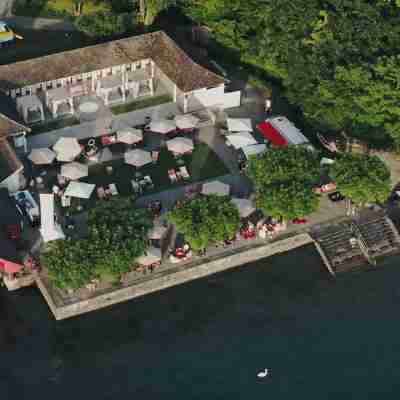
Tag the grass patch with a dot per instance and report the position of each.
(57, 8)
(53, 125)
(137, 105)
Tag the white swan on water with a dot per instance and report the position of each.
(263, 374)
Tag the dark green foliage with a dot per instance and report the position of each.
(117, 235)
(361, 178)
(206, 220)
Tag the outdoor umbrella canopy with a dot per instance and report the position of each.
(244, 206)
(67, 149)
(42, 156)
(241, 139)
(74, 170)
(254, 150)
(157, 232)
(217, 188)
(129, 136)
(137, 157)
(81, 190)
(180, 145)
(162, 126)
(152, 256)
(186, 121)
(239, 124)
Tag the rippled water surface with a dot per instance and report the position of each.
(321, 338)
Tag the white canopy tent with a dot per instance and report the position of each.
(74, 170)
(81, 190)
(129, 135)
(48, 228)
(67, 148)
(254, 149)
(239, 124)
(157, 232)
(138, 157)
(162, 126)
(217, 188)
(186, 121)
(244, 206)
(241, 139)
(152, 256)
(180, 145)
(42, 156)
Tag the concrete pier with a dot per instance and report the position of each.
(175, 276)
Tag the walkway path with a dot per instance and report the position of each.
(55, 24)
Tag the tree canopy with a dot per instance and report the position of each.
(205, 220)
(288, 200)
(117, 234)
(279, 165)
(361, 178)
(337, 60)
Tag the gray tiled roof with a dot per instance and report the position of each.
(158, 46)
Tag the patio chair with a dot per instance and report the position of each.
(154, 156)
(65, 201)
(62, 180)
(113, 189)
(135, 186)
(101, 194)
(184, 172)
(172, 175)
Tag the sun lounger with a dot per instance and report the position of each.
(172, 175)
(184, 172)
(113, 189)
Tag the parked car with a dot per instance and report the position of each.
(336, 196)
(299, 221)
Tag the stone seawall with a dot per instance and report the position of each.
(176, 276)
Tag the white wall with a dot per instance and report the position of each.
(204, 98)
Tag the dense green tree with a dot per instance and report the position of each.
(279, 165)
(149, 9)
(205, 220)
(116, 236)
(361, 178)
(287, 200)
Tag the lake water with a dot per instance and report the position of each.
(321, 338)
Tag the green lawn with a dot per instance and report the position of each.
(53, 125)
(55, 8)
(137, 105)
(202, 164)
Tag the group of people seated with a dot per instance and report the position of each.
(176, 175)
(180, 254)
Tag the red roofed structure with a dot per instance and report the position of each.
(272, 134)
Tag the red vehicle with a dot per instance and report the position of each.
(299, 221)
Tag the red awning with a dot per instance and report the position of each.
(9, 267)
(270, 133)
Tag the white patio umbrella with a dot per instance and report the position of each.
(239, 124)
(241, 139)
(157, 232)
(74, 170)
(67, 149)
(180, 145)
(186, 121)
(162, 126)
(244, 206)
(42, 156)
(216, 187)
(152, 256)
(137, 157)
(129, 136)
(81, 190)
